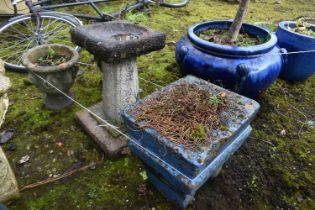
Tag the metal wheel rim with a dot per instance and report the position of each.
(27, 21)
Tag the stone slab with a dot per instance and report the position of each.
(5, 83)
(8, 186)
(112, 145)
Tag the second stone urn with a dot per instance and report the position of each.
(55, 80)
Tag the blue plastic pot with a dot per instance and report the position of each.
(178, 172)
(246, 70)
(300, 66)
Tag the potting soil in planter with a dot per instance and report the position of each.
(220, 36)
(302, 27)
(52, 58)
(185, 132)
(295, 36)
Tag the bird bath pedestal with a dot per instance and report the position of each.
(116, 45)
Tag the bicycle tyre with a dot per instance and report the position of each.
(165, 3)
(18, 36)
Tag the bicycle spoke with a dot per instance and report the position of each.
(56, 31)
(17, 32)
(56, 26)
(18, 36)
(13, 46)
(50, 23)
(61, 38)
(26, 27)
(13, 55)
(24, 50)
(5, 39)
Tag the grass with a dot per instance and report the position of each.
(283, 164)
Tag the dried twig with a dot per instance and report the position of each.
(304, 123)
(266, 141)
(49, 180)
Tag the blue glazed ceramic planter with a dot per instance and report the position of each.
(298, 66)
(175, 185)
(246, 70)
(177, 171)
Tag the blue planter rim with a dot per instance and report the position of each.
(231, 50)
(204, 154)
(283, 25)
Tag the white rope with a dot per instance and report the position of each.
(78, 103)
(110, 125)
(252, 56)
(84, 64)
(297, 52)
(160, 86)
(87, 109)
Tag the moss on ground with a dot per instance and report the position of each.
(273, 170)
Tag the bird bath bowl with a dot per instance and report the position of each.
(116, 45)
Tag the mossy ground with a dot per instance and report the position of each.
(273, 170)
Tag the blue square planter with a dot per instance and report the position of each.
(183, 170)
(173, 184)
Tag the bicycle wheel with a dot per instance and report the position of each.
(172, 3)
(18, 35)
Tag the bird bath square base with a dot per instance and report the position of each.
(111, 143)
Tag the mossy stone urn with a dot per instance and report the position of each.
(54, 80)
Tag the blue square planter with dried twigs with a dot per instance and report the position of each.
(181, 156)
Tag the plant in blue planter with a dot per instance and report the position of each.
(297, 36)
(241, 57)
(185, 132)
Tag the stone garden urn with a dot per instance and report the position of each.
(8, 185)
(54, 80)
(5, 84)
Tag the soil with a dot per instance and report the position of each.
(303, 28)
(185, 115)
(219, 36)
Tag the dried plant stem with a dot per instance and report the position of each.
(185, 115)
(50, 180)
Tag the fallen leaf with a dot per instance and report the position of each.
(62, 65)
(70, 152)
(60, 144)
(144, 175)
(223, 94)
(249, 106)
(283, 132)
(24, 159)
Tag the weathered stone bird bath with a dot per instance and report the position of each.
(116, 46)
